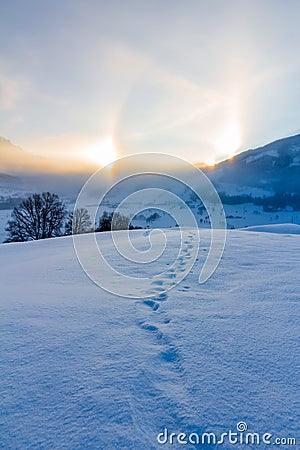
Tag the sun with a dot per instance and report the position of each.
(102, 153)
(229, 140)
(210, 162)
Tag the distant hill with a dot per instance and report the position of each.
(22, 172)
(274, 168)
(5, 178)
(16, 160)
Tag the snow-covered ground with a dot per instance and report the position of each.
(83, 369)
(281, 228)
(247, 214)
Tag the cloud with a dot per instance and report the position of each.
(9, 92)
(12, 88)
(167, 111)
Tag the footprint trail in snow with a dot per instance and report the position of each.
(168, 365)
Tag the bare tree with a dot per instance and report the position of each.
(78, 222)
(120, 222)
(113, 221)
(40, 216)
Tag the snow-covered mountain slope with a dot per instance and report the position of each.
(283, 152)
(83, 369)
(272, 168)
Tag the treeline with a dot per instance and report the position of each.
(9, 203)
(276, 202)
(43, 216)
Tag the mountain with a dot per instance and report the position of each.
(22, 172)
(273, 168)
(6, 179)
(15, 159)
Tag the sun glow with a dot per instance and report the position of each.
(229, 141)
(210, 162)
(102, 153)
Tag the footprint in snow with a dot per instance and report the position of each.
(152, 304)
(184, 288)
(157, 282)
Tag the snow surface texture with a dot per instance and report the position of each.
(282, 228)
(83, 369)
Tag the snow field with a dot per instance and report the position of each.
(82, 368)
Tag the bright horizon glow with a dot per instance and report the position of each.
(102, 153)
(229, 142)
(210, 162)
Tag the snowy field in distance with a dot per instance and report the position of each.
(237, 216)
(280, 228)
(5, 215)
(83, 369)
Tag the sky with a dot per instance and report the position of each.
(198, 79)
